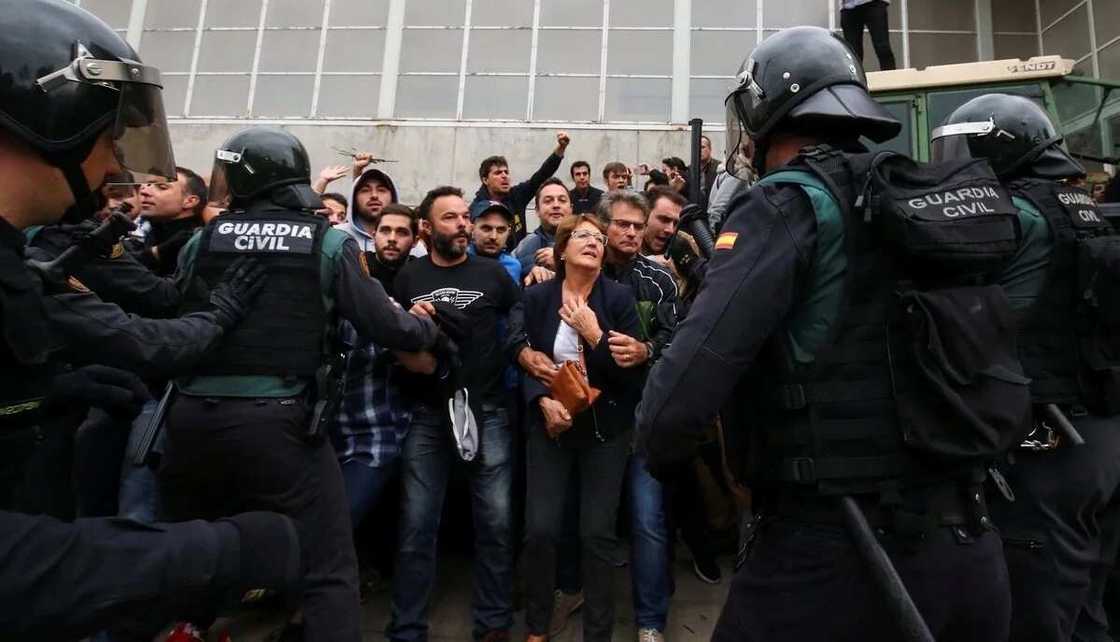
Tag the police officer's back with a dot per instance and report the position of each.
(241, 432)
(846, 333)
(76, 105)
(1063, 523)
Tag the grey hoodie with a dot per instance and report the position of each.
(354, 228)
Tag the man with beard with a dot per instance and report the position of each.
(491, 229)
(554, 204)
(494, 172)
(484, 294)
(373, 190)
(373, 415)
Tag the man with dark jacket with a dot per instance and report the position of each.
(494, 173)
(585, 198)
(655, 290)
(173, 209)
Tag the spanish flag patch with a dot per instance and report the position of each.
(726, 241)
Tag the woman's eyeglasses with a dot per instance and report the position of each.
(583, 235)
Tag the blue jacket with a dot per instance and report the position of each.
(526, 251)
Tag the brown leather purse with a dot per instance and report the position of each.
(571, 388)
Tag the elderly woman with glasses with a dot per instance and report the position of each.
(570, 319)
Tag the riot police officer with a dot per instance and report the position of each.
(247, 409)
(76, 105)
(1061, 525)
(807, 325)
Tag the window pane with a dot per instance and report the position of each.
(495, 97)
(244, 13)
(719, 53)
(638, 99)
(1013, 15)
(167, 50)
(1070, 37)
(349, 96)
(724, 13)
(435, 12)
(359, 12)
(354, 50)
(1051, 10)
(706, 99)
(113, 12)
(641, 13)
(573, 52)
(280, 96)
(943, 14)
(171, 13)
(431, 49)
(427, 96)
(502, 13)
(779, 13)
(640, 52)
(294, 13)
(572, 13)
(220, 96)
(495, 51)
(1106, 16)
(289, 50)
(174, 94)
(1015, 46)
(939, 49)
(1110, 62)
(227, 51)
(566, 99)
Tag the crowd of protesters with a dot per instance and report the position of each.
(558, 499)
(554, 494)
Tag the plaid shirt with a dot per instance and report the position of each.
(373, 417)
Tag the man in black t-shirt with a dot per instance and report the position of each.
(483, 291)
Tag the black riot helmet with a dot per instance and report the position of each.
(66, 79)
(805, 78)
(1012, 132)
(256, 161)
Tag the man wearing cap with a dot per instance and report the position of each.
(492, 226)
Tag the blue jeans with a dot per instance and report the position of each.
(649, 548)
(427, 457)
(364, 485)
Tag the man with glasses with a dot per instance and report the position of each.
(627, 214)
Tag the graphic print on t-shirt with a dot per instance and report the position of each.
(456, 297)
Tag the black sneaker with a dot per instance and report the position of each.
(707, 570)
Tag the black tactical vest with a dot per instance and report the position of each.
(917, 382)
(26, 371)
(283, 335)
(1069, 339)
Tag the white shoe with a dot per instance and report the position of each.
(650, 635)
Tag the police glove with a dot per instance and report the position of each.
(233, 297)
(118, 392)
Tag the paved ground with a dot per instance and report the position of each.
(692, 616)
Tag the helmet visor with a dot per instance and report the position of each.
(219, 193)
(141, 138)
(737, 143)
(951, 142)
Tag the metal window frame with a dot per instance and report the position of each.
(682, 31)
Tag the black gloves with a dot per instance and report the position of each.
(240, 285)
(118, 392)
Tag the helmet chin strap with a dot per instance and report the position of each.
(86, 202)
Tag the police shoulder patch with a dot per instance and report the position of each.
(118, 251)
(726, 241)
(76, 285)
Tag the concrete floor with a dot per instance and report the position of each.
(692, 614)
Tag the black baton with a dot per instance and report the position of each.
(883, 572)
